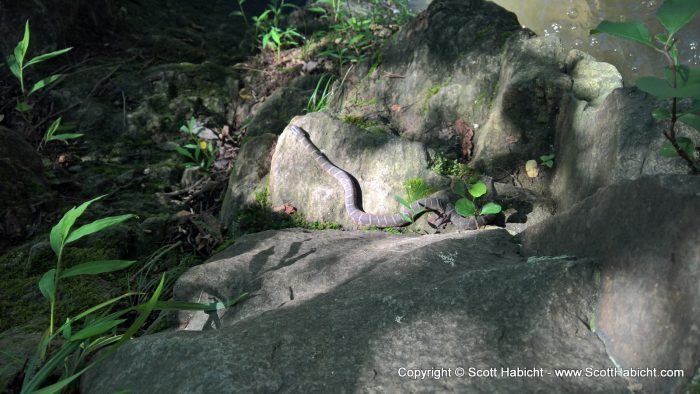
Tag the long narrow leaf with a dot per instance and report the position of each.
(96, 226)
(45, 371)
(21, 48)
(43, 83)
(103, 305)
(60, 231)
(96, 267)
(63, 137)
(58, 386)
(47, 56)
(14, 66)
(195, 306)
(145, 312)
(96, 329)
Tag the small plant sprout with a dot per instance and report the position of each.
(202, 149)
(18, 66)
(680, 82)
(240, 12)
(547, 160)
(51, 135)
(466, 205)
(416, 188)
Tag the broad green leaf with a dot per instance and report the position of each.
(14, 66)
(490, 209)
(63, 137)
(694, 107)
(47, 285)
(685, 144)
(667, 150)
(318, 10)
(92, 330)
(465, 207)
(547, 157)
(23, 106)
(460, 188)
(96, 267)
(97, 225)
(478, 189)
(635, 31)
(265, 40)
(43, 83)
(691, 120)
(60, 231)
(406, 218)
(274, 34)
(47, 56)
(674, 14)
(661, 114)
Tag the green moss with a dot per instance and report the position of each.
(432, 91)
(371, 125)
(453, 168)
(479, 100)
(364, 102)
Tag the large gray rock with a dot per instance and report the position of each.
(381, 163)
(644, 233)
(248, 175)
(344, 311)
(605, 138)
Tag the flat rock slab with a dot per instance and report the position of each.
(335, 311)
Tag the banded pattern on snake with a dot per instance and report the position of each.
(444, 209)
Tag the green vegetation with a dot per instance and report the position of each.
(319, 99)
(453, 168)
(416, 188)
(200, 151)
(680, 82)
(466, 205)
(18, 66)
(371, 125)
(432, 91)
(67, 351)
(547, 160)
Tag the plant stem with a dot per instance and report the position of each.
(671, 133)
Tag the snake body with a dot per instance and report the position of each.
(445, 209)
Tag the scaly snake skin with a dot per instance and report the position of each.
(444, 209)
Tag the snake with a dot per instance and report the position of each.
(444, 209)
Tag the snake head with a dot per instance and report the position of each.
(297, 131)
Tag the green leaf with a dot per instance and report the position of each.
(47, 56)
(406, 218)
(96, 267)
(145, 312)
(635, 31)
(23, 106)
(667, 150)
(97, 225)
(63, 137)
(14, 66)
(60, 231)
(661, 114)
(465, 207)
(92, 330)
(691, 120)
(22, 46)
(460, 188)
(43, 83)
(47, 285)
(58, 386)
(265, 40)
(490, 209)
(66, 329)
(274, 34)
(478, 189)
(184, 152)
(318, 10)
(686, 144)
(674, 14)
(544, 158)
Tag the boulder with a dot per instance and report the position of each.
(643, 233)
(272, 115)
(380, 163)
(248, 175)
(335, 311)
